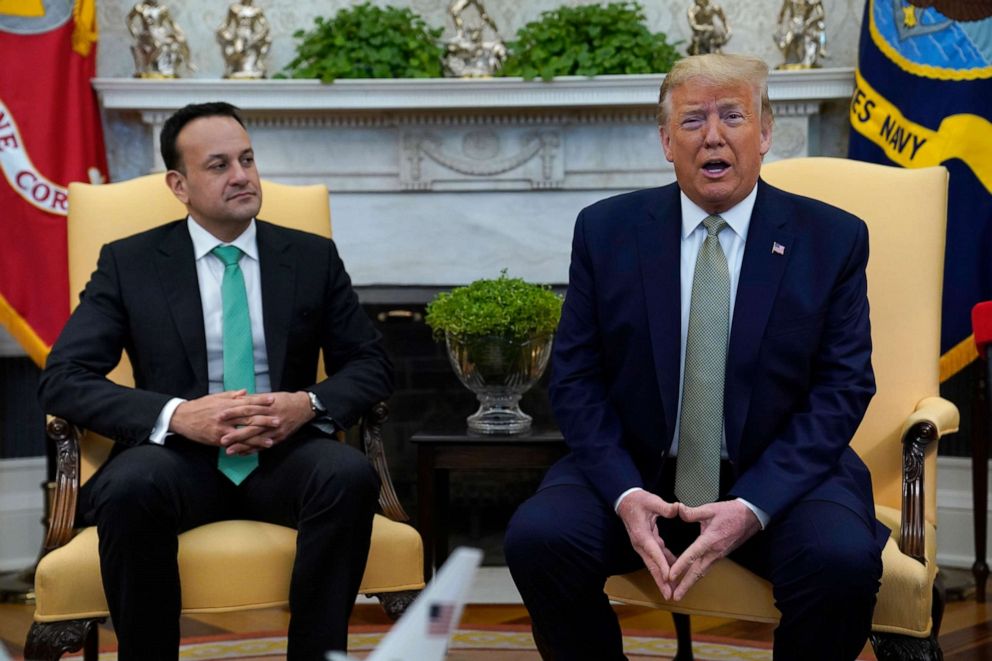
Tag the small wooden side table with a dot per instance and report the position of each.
(443, 446)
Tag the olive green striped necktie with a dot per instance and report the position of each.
(697, 470)
(239, 358)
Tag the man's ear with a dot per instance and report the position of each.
(666, 143)
(766, 137)
(177, 184)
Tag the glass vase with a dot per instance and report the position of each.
(499, 370)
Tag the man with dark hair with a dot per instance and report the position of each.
(175, 123)
(712, 364)
(223, 317)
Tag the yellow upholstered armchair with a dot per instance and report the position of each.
(224, 566)
(906, 212)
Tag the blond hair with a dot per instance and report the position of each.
(717, 69)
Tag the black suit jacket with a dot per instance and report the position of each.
(144, 298)
(799, 374)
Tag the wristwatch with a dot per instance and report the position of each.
(315, 404)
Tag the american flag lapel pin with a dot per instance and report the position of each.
(777, 248)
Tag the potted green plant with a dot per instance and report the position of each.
(498, 335)
(367, 41)
(589, 40)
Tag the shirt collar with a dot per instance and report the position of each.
(204, 241)
(738, 217)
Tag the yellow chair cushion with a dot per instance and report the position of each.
(223, 566)
(730, 591)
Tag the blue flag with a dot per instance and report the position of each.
(923, 97)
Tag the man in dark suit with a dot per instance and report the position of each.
(223, 317)
(710, 369)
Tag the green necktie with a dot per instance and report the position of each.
(697, 470)
(239, 359)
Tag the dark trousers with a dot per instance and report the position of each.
(821, 558)
(146, 495)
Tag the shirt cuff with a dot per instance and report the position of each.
(161, 428)
(763, 517)
(325, 425)
(616, 505)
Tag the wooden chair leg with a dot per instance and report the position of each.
(683, 634)
(396, 603)
(893, 647)
(48, 641)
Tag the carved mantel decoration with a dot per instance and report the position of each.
(442, 160)
(422, 167)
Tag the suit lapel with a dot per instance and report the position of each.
(761, 273)
(278, 276)
(177, 272)
(658, 250)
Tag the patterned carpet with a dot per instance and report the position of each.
(491, 643)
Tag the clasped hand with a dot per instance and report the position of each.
(242, 423)
(723, 527)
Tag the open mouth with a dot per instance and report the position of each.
(715, 167)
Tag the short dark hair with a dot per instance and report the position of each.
(170, 130)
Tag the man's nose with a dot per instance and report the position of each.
(713, 131)
(238, 174)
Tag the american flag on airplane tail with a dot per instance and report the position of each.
(440, 622)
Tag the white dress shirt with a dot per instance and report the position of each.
(210, 275)
(732, 241)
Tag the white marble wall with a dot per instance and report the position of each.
(752, 21)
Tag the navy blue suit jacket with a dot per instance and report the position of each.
(799, 374)
(144, 298)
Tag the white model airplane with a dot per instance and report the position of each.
(423, 633)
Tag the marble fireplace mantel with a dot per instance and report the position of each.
(439, 182)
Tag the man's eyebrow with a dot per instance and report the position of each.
(690, 109)
(224, 157)
(729, 103)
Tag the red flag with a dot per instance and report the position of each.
(50, 134)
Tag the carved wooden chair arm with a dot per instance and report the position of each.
(933, 418)
(66, 437)
(371, 430)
